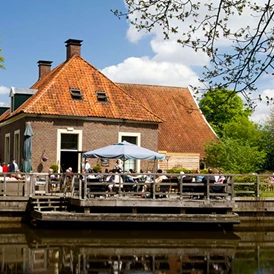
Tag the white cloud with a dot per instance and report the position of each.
(4, 90)
(147, 71)
(263, 110)
(171, 51)
(173, 65)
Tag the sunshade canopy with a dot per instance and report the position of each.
(124, 151)
(27, 149)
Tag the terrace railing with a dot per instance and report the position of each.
(82, 186)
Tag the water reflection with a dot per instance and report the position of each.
(25, 250)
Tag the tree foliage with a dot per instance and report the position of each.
(205, 24)
(234, 156)
(1, 60)
(221, 107)
(242, 129)
(268, 141)
(241, 147)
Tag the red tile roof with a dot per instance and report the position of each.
(53, 96)
(185, 130)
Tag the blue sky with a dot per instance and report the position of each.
(36, 30)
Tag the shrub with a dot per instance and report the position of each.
(54, 167)
(96, 168)
(244, 189)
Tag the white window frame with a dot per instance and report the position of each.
(7, 148)
(138, 142)
(79, 132)
(16, 147)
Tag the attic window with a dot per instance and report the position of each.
(101, 96)
(76, 94)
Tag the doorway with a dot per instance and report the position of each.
(69, 159)
(70, 144)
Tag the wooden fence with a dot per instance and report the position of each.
(83, 186)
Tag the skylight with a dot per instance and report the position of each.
(76, 94)
(101, 96)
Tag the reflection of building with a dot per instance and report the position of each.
(75, 108)
(23, 250)
(94, 251)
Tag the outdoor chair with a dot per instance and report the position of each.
(187, 188)
(95, 187)
(164, 188)
(218, 188)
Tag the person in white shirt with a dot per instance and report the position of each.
(116, 179)
(87, 166)
(118, 166)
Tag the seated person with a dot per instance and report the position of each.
(91, 175)
(129, 179)
(100, 175)
(18, 175)
(51, 175)
(118, 166)
(148, 179)
(215, 179)
(11, 177)
(116, 180)
(159, 179)
(110, 177)
(210, 178)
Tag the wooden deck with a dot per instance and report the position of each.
(71, 199)
(131, 209)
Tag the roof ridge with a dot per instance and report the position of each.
(114, 83)
(150, 85)
(52, 78)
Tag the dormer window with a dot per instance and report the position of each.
(101, 96)
(76, 94)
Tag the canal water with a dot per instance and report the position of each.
(248, 249)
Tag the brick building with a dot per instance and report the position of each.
(75, 108)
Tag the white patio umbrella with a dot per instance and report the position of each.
(124, 151)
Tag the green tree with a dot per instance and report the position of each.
(201, 24)
(240, 148)
(234, 156)
(242, 129)
(268, 141)
(221, 107)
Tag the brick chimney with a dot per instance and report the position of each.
(73, 47)
(44, 67)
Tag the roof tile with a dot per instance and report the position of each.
(53, 96)
(185, 129)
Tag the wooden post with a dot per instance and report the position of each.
(258, 185)
(83, 187)
(181, 187)
(5, 186)
(120, 181)
(232, 188)
(207, 188)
